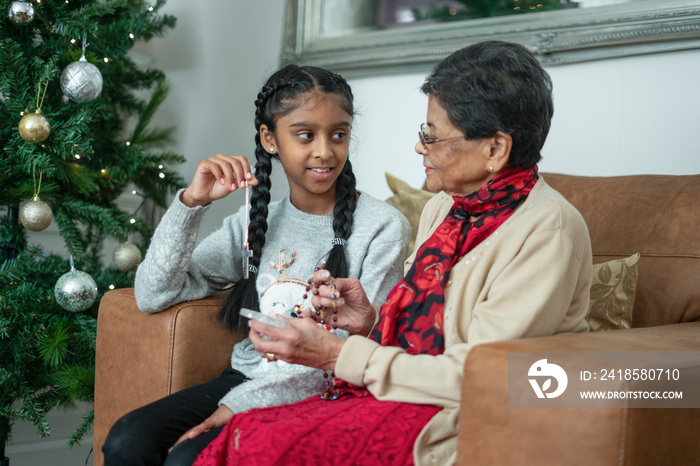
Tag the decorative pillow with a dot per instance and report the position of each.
(410, 202)
(612, 294)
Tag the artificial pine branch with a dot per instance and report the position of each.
(154, 137)
(77, 436)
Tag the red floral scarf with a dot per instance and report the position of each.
(412, 316)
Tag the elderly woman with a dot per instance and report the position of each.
(499, 255)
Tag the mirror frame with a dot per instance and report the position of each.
(556, 37)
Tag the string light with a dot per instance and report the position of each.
(161, 175)
(111, 287)
(132, 221)
(128, 143)
(106, 60)
(72, 41)
(77, 156)
(131, 36)
(160, 167)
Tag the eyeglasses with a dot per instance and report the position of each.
(425, 139)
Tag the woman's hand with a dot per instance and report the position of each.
(355, 313)
(218, 418)
(305, 343)
(217, 177)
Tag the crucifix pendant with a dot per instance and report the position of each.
(247, 252)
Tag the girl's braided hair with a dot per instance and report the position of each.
(283, 92)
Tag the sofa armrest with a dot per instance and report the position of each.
(492, 433)
(143, 357)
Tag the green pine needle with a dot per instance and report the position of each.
(53, 348)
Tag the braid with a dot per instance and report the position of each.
(259, 200)
(244, 292)
(345, 203)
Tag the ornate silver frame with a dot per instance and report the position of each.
(556, 37)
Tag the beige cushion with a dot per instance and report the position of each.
(612, 294)
(410, 201)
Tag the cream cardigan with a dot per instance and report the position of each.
(530, 278)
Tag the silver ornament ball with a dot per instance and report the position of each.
(21, 12)
(75, 291)
(36, 215)
(34, 127)
(81, 81)
(126, 257)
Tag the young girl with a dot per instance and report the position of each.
(303, 118)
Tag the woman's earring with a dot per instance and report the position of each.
(490, 169)
(272, 149)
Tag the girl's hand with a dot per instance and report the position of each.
(217, 177)
(355, 313)
(306, 343)
(218, 418)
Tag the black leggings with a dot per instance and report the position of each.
(143, 436)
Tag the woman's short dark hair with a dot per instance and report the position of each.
(496, 86)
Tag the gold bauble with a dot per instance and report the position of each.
(34, 127)
(126, 257)
(36, 215)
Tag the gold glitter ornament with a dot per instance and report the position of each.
(34, 127)
(126, 256)
(36, 215)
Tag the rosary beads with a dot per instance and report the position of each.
(319, 309)
(331, 392)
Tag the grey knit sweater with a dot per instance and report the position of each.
(176, 270)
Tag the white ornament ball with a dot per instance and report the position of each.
(36, 215)
(75, 291)
(34, 127)
(21, 12)
(126, 257)
(81, 81)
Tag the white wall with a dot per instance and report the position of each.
(612, 117)
(216, 60)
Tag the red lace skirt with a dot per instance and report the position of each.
(349, 431)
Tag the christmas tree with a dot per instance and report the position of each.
(74, 129)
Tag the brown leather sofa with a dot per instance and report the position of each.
(142, 357)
